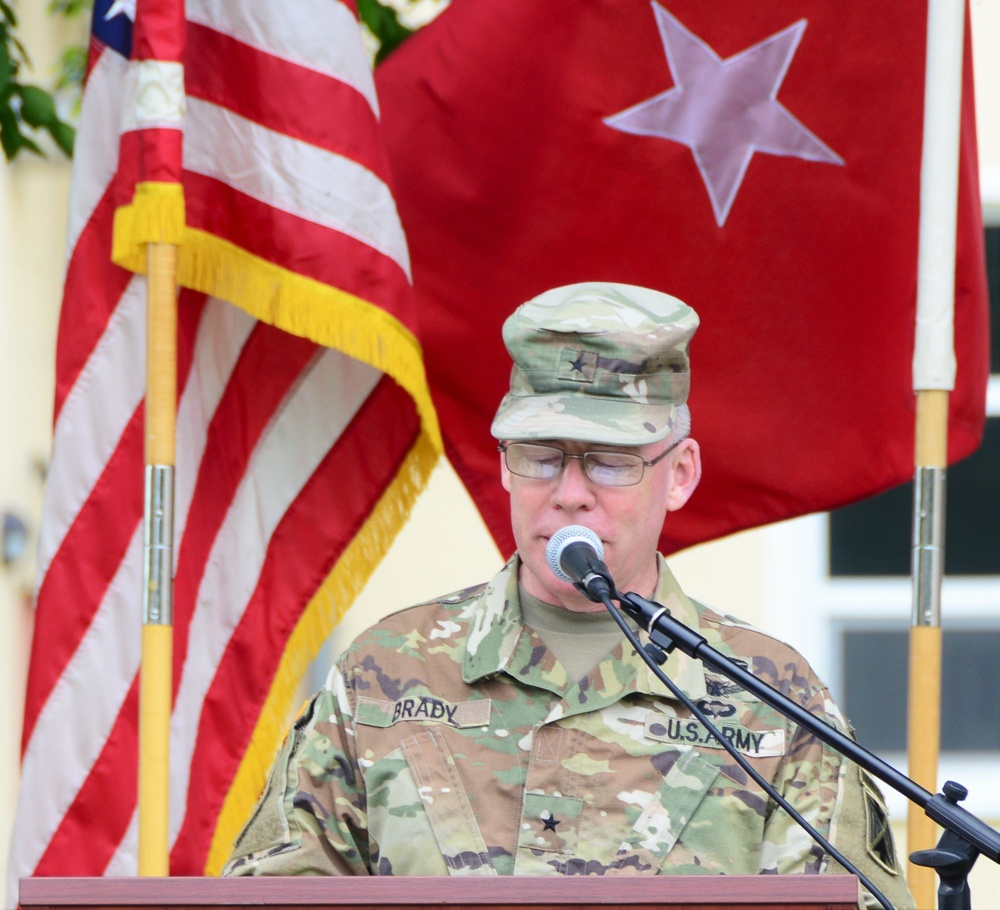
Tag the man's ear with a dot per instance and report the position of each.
(686, 474)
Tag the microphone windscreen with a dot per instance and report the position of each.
(562, 539)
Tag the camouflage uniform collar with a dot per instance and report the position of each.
(497, 623)
(686, 672)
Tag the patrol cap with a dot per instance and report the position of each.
(596, 362)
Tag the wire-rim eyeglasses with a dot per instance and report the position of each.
(537, 461)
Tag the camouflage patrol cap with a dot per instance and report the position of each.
(596, 362)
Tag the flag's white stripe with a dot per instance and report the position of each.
(125, 860)
(78, 716)
(321, 35)
(222, 332)
(315, 415)
(95, 152)
(294, 176)
(94, 415)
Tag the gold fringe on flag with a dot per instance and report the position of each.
(280, 297)
(155, 215)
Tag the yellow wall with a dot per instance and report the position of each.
(33, 205)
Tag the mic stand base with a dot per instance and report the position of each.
(952, 860)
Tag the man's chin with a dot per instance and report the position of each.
(555, 591)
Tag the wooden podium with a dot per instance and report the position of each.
(677, 892)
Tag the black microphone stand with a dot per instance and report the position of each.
(965, 836)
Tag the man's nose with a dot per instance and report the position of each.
(574, 490)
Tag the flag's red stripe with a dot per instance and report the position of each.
(301, 553)
(242, 415)
(351, 132)
(93, 826)
(92, 549)
(297, 244)
(83, 567)
(94, 285)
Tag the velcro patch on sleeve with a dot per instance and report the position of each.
(375, 712)
(878, 837)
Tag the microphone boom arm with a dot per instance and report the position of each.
(965, 837)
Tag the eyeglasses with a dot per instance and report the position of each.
(608, 469)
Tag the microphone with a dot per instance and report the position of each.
(575, 554)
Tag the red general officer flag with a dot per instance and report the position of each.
(761, 162)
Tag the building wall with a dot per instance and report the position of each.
(444, 547)
(33, 205)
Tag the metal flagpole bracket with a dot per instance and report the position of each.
(158, 589)
(928, 545)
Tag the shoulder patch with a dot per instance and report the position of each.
(878, 835)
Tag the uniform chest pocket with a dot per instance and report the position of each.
(417, 804)
(669, 810)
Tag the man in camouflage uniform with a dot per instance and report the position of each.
(509, 728)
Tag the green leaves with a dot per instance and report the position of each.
(25, 109)
(384, 24)
(38, 109)
(37, 106)
(24, 105)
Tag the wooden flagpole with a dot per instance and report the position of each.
(933, 378)
(156, 675)
(924, 709)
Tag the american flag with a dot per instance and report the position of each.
(304, 426)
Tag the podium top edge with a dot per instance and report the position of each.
(826, 891)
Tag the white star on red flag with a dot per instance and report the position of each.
(724, 110)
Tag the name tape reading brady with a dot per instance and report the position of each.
(377, 713)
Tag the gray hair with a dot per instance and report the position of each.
(682, 425)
